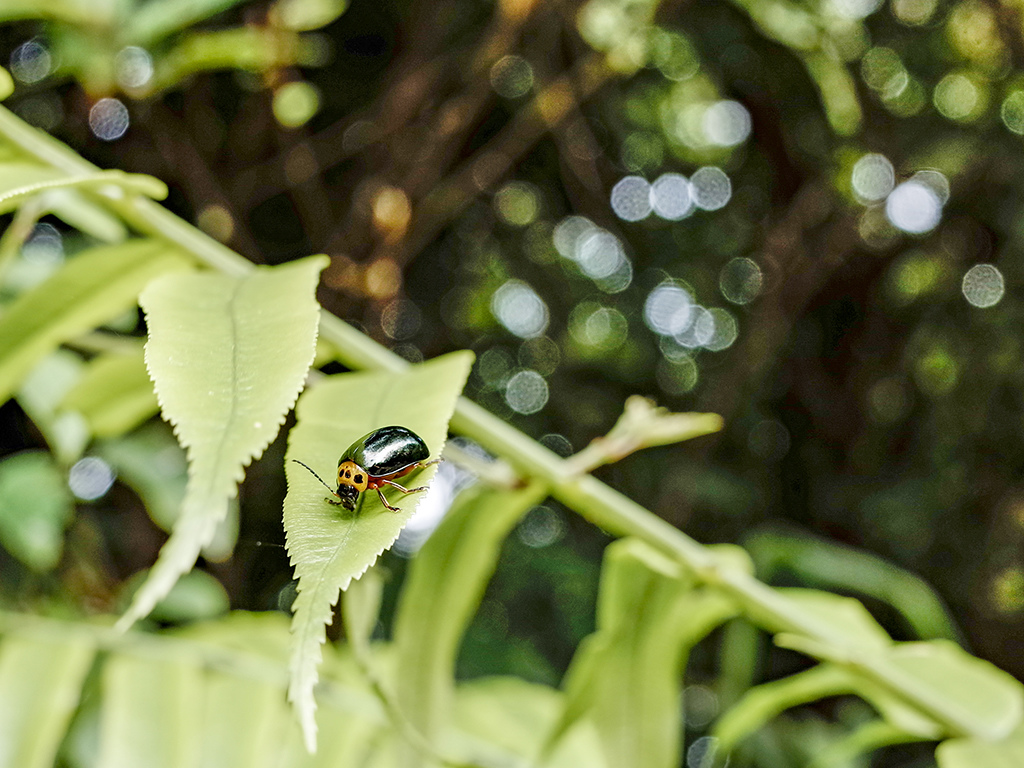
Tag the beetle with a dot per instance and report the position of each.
(375, 460)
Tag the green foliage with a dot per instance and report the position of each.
(93, 288)
(40, 682)
(210, 337)
(328, 545)
(35, 507)
(448, 578)
(230, 348)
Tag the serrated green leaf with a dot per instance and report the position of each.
(40, 683)
(228, 356)
(978, 753)
(114, 395)
(152, 713)
(328, 545)
(442, 590)
(35, 507)
(92, 288)
(626, 677)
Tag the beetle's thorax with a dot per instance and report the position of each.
(352, 475)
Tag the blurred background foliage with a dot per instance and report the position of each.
(803, 216)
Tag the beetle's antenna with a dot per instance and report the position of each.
(314, 474)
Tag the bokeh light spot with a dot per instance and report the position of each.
(914, 12)
(44, 246)
(600, 254)
(873, 178)
(631, 198)
(541, 527)
(512, 77)
(957, 97)
(90, 478)
(726, 123)
(526, 392)
(401, 319)
(699, 332)
(31, 62)
(740, 280)
(914, 207)
(1012, 112)
(518, 307)
(517, 203)
(295, 103)
(671, 197)
(1007, 590)
(711, 188)
(983, 286)
(725, 330)
(133, 68)
(677, 376)
(108, 119)
(855, 9)
(668, 309)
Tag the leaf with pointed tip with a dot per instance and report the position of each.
(228, 356)
(328, 545)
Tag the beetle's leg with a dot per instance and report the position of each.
(385, 501)
(335, 502)
(430, 463)
(402, 488)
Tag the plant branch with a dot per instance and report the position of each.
(597, 502)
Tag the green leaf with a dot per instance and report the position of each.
(442, 590)
(328, 545)
(35, 507)
(228, 356)
(40, 682)
(978, 753)
(152, 22)
(764, 702)
(361, 608)
(303, 15)
(505, 721)
(92, 288)
(152, 713)
(115, 394)
(980, 693)
(627, 677)
(827, 564)
(6, 84)
(118, 182)
(40, 394)
(255, 49)
(849, 623)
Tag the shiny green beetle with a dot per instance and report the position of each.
(375, 460)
